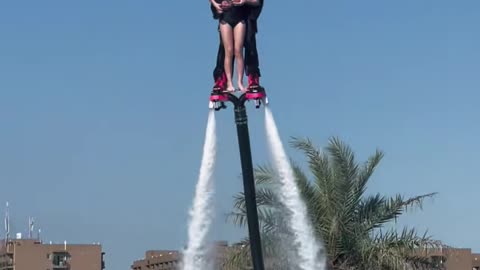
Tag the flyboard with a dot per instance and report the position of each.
(218, 97)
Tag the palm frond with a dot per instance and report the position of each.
(391, 209)
(308, 192)
(368, 169)
(237, 217)
(265, 197)
(320, 166)
(358, 188)
(272, 221)
(264, 175)
(318, 163)
(343, 159)
(394, 250)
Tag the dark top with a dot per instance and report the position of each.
(235, 14)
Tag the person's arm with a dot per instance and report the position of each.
(216, 6)
(246, 2)
(252, 2)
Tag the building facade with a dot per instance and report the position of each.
(445, 258)
(455, 258)
(158, 259)
(31, 254)
(171, 259)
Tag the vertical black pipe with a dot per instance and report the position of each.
(249, 186)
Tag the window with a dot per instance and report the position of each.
(60, 260)
(439, 261)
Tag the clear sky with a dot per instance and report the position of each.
(103, 106)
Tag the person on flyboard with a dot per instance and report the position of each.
(238, 28)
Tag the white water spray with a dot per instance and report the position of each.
(201, 213)
(305, 240)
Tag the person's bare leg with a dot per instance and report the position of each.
(239, 39)
(227, 38)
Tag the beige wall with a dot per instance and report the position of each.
(158, 259)
(459, 259)
(31, 255)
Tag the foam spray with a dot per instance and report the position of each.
(201, 213)
(305, 240)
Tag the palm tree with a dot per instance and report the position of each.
(351, 224)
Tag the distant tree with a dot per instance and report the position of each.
(350, 223)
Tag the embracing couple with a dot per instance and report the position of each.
(238, 27)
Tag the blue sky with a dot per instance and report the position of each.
(103, 106)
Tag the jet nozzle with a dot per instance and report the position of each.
(217, 100)
(258, 95)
